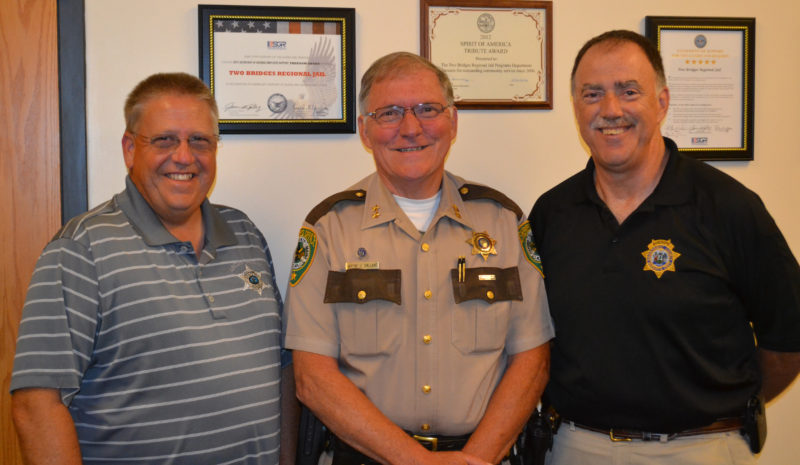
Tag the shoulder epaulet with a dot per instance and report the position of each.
(475, 191)
(325, 206)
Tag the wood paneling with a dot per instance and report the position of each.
(29, 170)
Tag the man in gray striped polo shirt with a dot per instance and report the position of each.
(151, 329)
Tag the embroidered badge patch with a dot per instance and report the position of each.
(252, 280)
(303, 255)
(660, 256)
(528, 246)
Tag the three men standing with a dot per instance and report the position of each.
(416, 310)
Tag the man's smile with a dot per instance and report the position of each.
(412, 149)
(180, 176)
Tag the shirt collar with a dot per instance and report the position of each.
(146, 221)
(673, 188)
(381, 206)
(452, 205)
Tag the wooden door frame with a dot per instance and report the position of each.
(72, 107)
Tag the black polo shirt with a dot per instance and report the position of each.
(653, 316)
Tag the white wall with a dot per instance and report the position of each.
(277, 179)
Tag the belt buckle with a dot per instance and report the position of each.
(617, 438)
(433, 441)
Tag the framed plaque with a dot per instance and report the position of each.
(498, 54)
(709, 64)
(279, 69)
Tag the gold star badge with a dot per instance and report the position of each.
(482, 244)
(660, 256)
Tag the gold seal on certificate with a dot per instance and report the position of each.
(496, 57)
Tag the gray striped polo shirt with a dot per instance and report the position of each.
(161, 356)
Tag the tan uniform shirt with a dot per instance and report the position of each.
(428, 363)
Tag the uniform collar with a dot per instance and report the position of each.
(380, 206)
(452, 205)
(146, 221)
(673, 188)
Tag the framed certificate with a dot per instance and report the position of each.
(279, 69)
(498, 54)
(709, 64)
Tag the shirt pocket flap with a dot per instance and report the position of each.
(487, 283)
(361, 286)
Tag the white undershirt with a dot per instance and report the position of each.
(420, 211)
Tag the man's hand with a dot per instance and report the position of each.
(458, 458)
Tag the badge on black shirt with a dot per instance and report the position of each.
(660, 256)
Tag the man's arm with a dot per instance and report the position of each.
(45, 428)
(343, 408)
(511, 404)
(778, 370)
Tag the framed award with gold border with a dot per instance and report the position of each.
(498, 54)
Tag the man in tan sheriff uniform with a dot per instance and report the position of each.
(416, 310)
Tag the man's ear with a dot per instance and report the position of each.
(362, 132)
(453, 121)
(663, 103)
(128, 145)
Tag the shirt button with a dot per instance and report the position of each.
(362, 295)
(426, 389)
(426, 339)
(211, 298)
(425, 427)
(428, 294)
(490, 295)
(425, 247)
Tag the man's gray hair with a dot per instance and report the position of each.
(396, 64)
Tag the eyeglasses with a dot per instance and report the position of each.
(394, 114)
(168, 143)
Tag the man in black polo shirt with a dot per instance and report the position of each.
(659, 272)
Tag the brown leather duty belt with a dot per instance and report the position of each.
(618, 435)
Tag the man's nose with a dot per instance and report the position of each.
(183, 153)
(611, 106)
(410, 124)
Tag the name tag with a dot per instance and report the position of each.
(486, 277)
(361, 266)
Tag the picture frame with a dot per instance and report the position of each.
(709, 64)
(498, 54)
(279, 70)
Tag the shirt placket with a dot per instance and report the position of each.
(426, 340)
